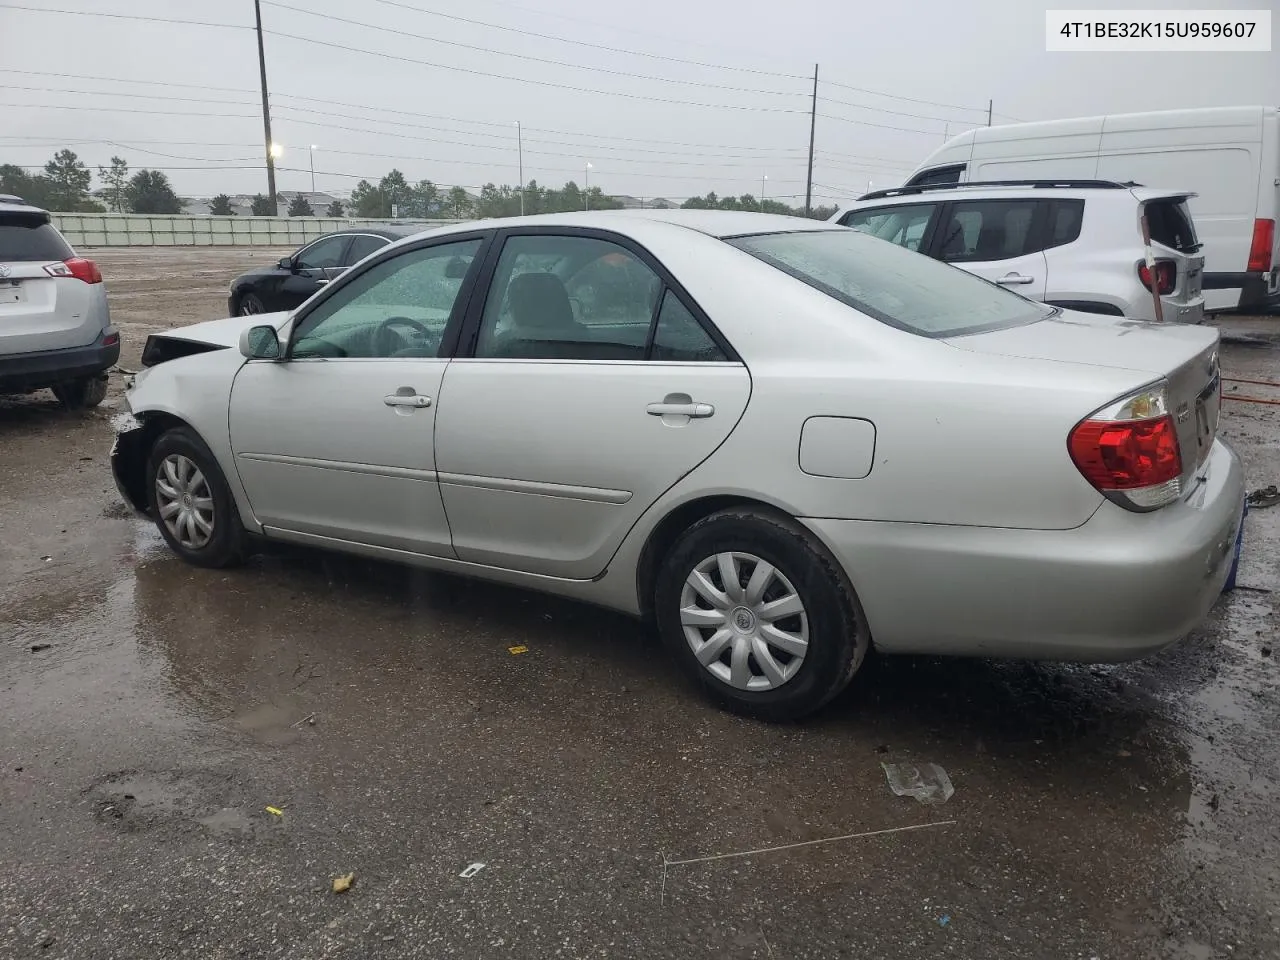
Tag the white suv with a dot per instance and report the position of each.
(1073, 244)
(55, 328)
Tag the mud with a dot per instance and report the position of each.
(1109, 812)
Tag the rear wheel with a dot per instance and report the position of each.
(82, 393)
(191, 503)
(250, 305)
(760, 615)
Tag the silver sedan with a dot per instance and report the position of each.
(784, 442)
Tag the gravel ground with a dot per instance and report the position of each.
(1110, 812)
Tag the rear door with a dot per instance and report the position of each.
(586, 385)
(39, 311)
(998, 240)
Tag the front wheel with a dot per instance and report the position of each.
(191, 503)
(250, 305)
(82, 393)
(760, 615)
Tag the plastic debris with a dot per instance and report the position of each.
(517, 649)
(471, 870)
(275, 811)
(1264, 497)
(343, 884)
(944, 920)
(927, 782)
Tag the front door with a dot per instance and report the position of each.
(335, 441)
(591, 389)
(313, 266)
(997, 240)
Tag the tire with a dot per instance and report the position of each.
(83, 393)
(799, 679)
(180, 463)
(250, 304)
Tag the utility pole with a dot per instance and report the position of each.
(266, 114)
(312, 150)
(989, 105)
(813, 122)
(520, 152)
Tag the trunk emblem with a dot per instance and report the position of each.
(4, 270)
(1183, 412)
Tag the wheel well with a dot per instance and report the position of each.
(663, 537)
(135, 447)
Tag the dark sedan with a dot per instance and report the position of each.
(287, 283)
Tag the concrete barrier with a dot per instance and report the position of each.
(141, 230)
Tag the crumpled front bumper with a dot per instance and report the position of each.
(129, 461)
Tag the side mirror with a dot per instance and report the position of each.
(286, 263)
(260, 343)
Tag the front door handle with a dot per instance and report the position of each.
(697, 411)
(406, 400)
(1015, 278)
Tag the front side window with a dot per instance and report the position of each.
(395, 309)
(913, 293)
(325, 252)
(982, 230)
(568, 298)
(903, 225)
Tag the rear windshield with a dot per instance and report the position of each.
(1171, 225)
(903, 289)
(30, 236)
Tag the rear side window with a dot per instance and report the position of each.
(893, 285)
(1065, 217)
(949, 174)
(982, 230)
(30, 236)
(362, 245)
(1171, 225)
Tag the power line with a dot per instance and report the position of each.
(894, 96)
(100, 109)
(593, 46)
(124, 16)
(863, 106)
(311, 14)
(85, 76)
(540, 83)
(881, 126)
(142, 96)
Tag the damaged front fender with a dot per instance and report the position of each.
(129, 463)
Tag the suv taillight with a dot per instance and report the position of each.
(1166, 276)
(77, 267)
(1129, 450)
(1264, 235)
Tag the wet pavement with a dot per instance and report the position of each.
(1108, 812)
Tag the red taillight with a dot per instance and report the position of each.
(111, 339)
(1166, 276)
(1126, 455)
(77, 267)
(1264, 236)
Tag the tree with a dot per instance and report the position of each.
(458, 204)
(396, 192)
(300, 206)
(69, 182)
(30, 187)
(335, 209)
(424, 200)
(115, 179)
(367, 201)
(495, 201)
(149, 192)
(260, 207)
(220, 206)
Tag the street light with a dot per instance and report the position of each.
(520, 154)
(763, 179)
(276, 151)
(311, 149)
(586, 193)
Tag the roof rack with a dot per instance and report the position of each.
(979, 184)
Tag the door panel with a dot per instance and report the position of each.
(319, 450)
(545, 465)
(998, 240)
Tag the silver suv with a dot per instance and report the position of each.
(55, 328)
(1073, 244)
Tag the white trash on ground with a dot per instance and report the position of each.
(927, 782)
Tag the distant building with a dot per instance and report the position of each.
(642, 203)
(242, 203)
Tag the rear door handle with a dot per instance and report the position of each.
(697, 411)
(406, 400)
(1015, 278)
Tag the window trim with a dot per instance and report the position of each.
(1037, 230)
(449, 341)
(926, 238)
(465, 347)
(342, 254)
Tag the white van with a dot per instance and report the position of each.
(1229, 157)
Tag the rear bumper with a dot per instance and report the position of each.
(1257, 289)
(43, 368)
(1121, 586)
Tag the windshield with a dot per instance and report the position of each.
(897, 287)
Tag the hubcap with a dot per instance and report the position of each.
(185, 501)
(744, 621)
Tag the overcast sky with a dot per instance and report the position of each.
(452, 118)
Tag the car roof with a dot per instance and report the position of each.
(11, 204)
(389, 232)
(714, 223)
(1119, 193)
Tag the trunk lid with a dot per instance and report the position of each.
(1185, 356)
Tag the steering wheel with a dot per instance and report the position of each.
(386, 341)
